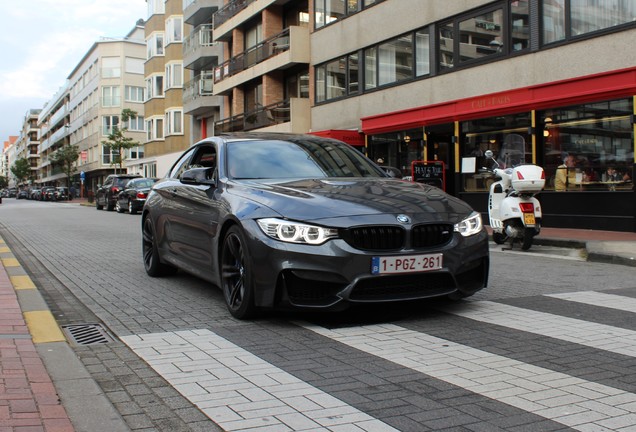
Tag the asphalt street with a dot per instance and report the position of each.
(550, 345)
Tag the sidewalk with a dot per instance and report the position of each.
(33, 349)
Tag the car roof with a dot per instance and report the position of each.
(242, 136)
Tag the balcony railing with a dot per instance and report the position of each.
(201, 85)
(200, 37)
(229, 10)
(264, 50)
(266, 116)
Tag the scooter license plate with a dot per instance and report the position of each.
(406, 264)
(528, 219)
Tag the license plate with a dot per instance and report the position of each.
(528, 219)
(406, 263)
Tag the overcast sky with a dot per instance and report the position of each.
(43, 40)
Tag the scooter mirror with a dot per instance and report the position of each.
(488, 154)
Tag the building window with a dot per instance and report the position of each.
(174, 75)
(174, 122)
(111, 96)
(422, 53)
(174, 30)
(150, 170)
(154, 128)
(328, 11)
(154, 45)
(136, 124)
(134, 94)
(156, 7)
(154, 86)
(109, 123)
(338, 78)
(136, 152)
(395, 60)
(111, 67)
(565, 19)
(519, 25)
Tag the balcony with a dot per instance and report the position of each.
(291, 115)
(286, 49)
(237, 13)
(196, 12)
(199, 49)
(58, 116)
(198, 96)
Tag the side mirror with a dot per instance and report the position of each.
(488, 154)
(199, 176)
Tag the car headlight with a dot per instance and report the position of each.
(469, 226)
(294, 232)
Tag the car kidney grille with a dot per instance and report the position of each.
(393, 237)
(375, 237)
(431, 235)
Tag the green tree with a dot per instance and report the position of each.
(4, 182)
(21, 170)
(117, 141)
(66, 157)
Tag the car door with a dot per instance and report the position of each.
(192, 217)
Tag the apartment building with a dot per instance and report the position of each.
(28, 142)
(201, 55)
(54, 124)
(107, 80)
(265, 78)
(6, 158)
(167, 130)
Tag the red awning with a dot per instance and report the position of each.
(352, 137)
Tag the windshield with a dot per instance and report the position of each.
(306, 158)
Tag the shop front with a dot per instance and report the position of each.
(582, 128)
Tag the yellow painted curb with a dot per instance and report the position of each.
(4, 249)
(21, 282)
(43, 327)
(10, 262)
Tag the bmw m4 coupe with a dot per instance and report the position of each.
(298, 221)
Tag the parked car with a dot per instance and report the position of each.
(279, 220)
(12, 193)
(61, 193)
(34, 193)
(106, 195)
(133, 197)
(47, 193)
(22, 194)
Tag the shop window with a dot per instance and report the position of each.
(507, 136)
(596, 139)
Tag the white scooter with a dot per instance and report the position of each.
(515, 213)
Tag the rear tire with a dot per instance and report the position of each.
(152, 262)
(236, 275)
(528, 236)
(118, 208)
(131, 210)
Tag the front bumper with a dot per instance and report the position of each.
(333, 274)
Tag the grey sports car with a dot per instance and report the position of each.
(279, 221)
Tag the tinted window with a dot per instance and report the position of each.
(298, 159)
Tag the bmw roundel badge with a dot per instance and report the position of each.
(404, 219)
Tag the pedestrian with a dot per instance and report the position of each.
(565, 175)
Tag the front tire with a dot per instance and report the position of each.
(499, 238)
(236, 275)
(152, 263)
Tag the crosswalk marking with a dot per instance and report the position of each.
(599, 336)
(240, 391)
(595, 298)
(568, 400)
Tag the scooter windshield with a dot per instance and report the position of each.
(513, 151)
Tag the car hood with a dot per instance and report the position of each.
(327, 200)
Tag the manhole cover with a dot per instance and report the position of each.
(87, 334)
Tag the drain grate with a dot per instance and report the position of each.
(87, 334)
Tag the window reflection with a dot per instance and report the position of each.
(481, 36)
